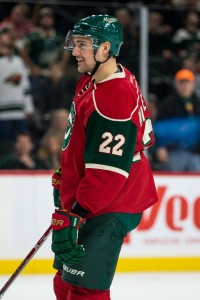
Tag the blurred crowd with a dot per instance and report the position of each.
(38, 79)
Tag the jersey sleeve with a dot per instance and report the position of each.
(108, 156)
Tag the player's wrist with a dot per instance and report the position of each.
(79, 210)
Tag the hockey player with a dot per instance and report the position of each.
(106, 181)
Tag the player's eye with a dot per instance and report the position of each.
(81, 45)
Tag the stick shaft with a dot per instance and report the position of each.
(25, 261)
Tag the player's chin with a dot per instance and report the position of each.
(85, 68)
(81, 70)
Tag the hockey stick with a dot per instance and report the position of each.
(25, 261)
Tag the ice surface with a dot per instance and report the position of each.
(126, 286)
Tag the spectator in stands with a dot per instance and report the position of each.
(16, 105)
(179, 3)
(44, 46)
(129, 51)
(52, 138)
(192, 4)
(20, 18)
(193, 64)
(55, 93)
(162, 62)
(50, 150)
(22, 157)
(58, 123)
(177, 128)
(160, 44)
(187, 38)
(151, 154)
(153, 106)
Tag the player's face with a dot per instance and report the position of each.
(84, 53)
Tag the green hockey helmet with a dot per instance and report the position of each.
(100, 28)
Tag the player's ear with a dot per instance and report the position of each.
(106, 47)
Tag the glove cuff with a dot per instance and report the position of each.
(79, 210)
(56, 181)
(59, 221)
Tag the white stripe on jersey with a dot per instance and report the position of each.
(107, 168)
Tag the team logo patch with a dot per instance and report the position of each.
(110, 20)
(14, 79)
(70, 125)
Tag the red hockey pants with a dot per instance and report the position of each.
(65, 291)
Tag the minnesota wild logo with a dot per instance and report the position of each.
(14, 78)
(70, 125)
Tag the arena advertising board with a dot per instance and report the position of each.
(172, 226)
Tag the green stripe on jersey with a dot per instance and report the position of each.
(110, 142)
(11, 107)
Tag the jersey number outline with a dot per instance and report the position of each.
(108, 138)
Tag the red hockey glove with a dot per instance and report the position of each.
(56, 181)
(64, 239)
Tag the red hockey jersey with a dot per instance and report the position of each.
(103, 165)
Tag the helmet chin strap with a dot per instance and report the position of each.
(98, 63)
